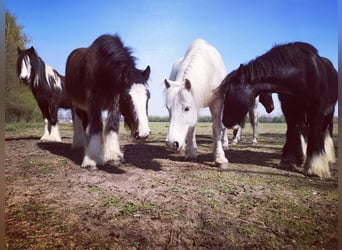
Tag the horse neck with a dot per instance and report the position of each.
(266, 79)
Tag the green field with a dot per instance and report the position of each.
(158, 200)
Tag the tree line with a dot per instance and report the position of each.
(20, 104)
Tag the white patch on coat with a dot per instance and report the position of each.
(112, 147)
(25, 71)
(53, 136)
(318, 165)
(46, 131)
(304, 145)
(49, 72)
(55, 133)
(93, 153)
(139, 99)
(329, 147)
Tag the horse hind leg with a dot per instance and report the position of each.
(53, 128)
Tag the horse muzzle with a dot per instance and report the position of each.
(173, 145)
(141, 136)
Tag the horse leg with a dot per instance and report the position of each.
(224, 138)
(219, 155)
(80, 123)
(292, 156)
(319, 147)
(111, 135)
(237, 134)
(190, 144)
(54, 131)
(93, 152)
(328, 141)
(44, 108)
(253, 116)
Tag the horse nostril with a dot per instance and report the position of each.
(175, 145)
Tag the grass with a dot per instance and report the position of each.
(182, 204)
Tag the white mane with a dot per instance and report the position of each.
(204, 68)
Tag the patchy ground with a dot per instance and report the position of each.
(159, 201)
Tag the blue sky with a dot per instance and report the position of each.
(160, 31)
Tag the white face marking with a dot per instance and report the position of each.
(25, 68)
(183, 115)
(50, 73)
(139, 99)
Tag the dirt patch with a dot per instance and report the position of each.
(157, 200)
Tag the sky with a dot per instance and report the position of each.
(159, 31)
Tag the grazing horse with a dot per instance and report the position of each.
(307, 87)
(191, 86)
(104, 77)
(266, 100)
(47, 86)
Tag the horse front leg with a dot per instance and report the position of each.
(44, 108)
(236, 134)
(190, 144)
(111, 135)
(53, 126)
(253, 116)
(320, 146)
(79, 123)
(294, 148)
(218, 152)
(224, 137)
(93, 152)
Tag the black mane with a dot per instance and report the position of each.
(115, 59)
(288, 55)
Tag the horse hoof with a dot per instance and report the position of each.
(288, 166)
(223, 166)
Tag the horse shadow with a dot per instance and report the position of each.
(140, 155)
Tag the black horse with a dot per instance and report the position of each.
(307, 86)
(47, 86)
(267, 101)
(104, 77)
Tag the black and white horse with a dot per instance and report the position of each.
(307, 85)
(266, 100)
(47, 86)
(104, 77)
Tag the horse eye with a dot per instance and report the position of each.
(187, 109)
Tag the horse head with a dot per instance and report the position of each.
(239, 97)
(267, 101)
(134, 102)
(183, 112)
(25, 64)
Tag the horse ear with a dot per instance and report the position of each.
(167, 84)
(32, 49)
(187, 84)
(18, 49)
(147, 72)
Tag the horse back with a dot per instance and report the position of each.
(204, 67)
